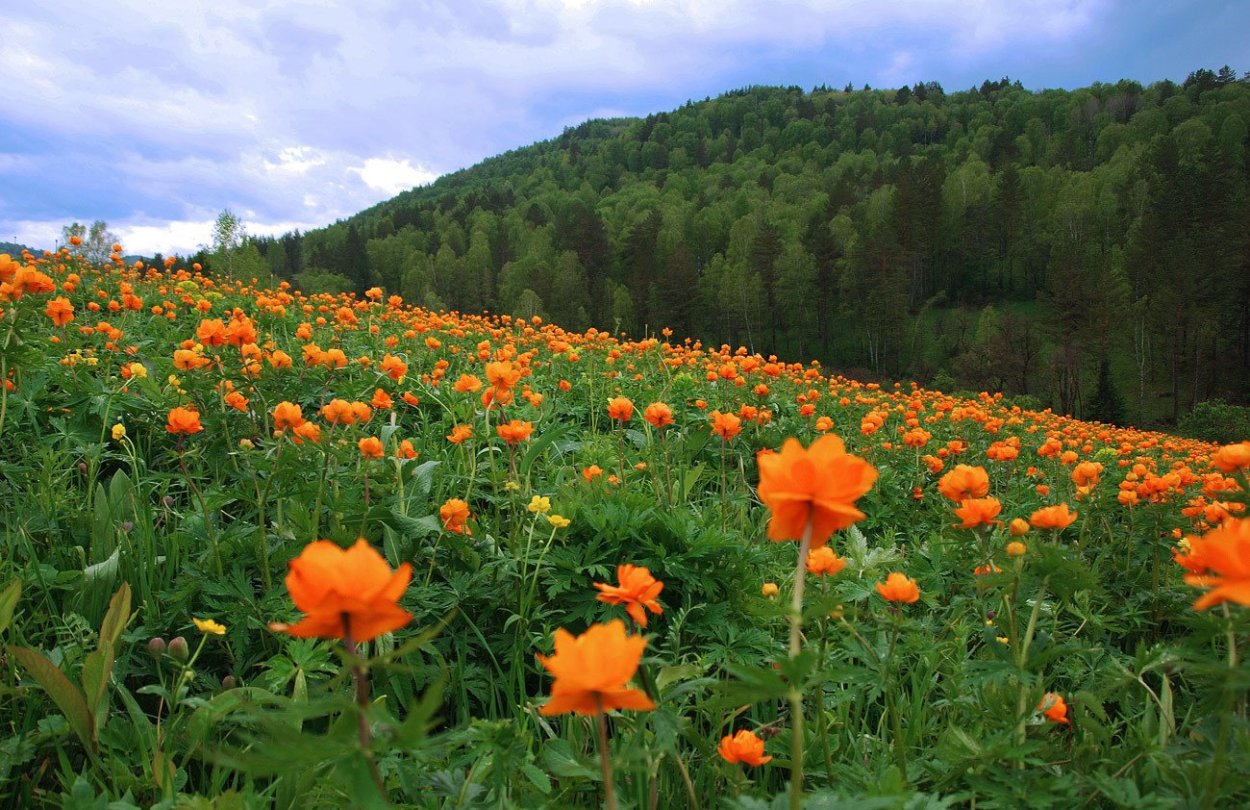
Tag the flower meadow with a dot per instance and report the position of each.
(262, 549)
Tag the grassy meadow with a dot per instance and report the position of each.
(997, 607)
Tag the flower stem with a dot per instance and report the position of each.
(605, 756)
(360, 678)
(796, 695)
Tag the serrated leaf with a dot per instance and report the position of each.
(561, 761)
(537, 778)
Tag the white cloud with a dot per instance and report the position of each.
(393, 176)
(306, 111)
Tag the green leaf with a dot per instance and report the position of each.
(8, 602)
(117, 616)
(67, 697)
(561, 761)
(537, 778)
(96, 669)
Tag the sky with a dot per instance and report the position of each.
(155, 116)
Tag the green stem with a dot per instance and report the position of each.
(796, 695)
(605, 756)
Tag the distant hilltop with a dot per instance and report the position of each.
(14, 249)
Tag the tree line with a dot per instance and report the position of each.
(1087, 248)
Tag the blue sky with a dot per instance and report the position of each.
(154, 116)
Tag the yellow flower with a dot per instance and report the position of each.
(1001, 639)
(558, 521)
(92, 361)
(770, 589)
(511, 486)
(138, 371)
(246, 444)
(119, 432)
(173, 380)
(210, 626)
(539, 505)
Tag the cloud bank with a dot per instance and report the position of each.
(156, 115)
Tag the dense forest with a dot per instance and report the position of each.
(1086, 248)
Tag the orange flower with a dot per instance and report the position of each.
(338, 412)
(978, 512)
(1019, 527)
(658, 414)
(591, 671)
(515, 431)
(1224, 554)
(620, 409)
(348, 594)
(183, 421)
(406, 450)
(823, 561)
(1053, 517)
(1231, 458)
(964, 482)
(818, 485)
(898, 588)
(743, 747)
(592, 472)
(459, 434)
(287, 416)
(455, 516)
(467, 384)
(237, 401)
(1086, 473)
(1054, 708)
(637, 590)
(725, 425)
(371, 447)
(60, 310)
(381, 400)
(308, 430)
(211, 332)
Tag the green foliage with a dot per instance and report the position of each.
(867, 229)
(1217, 421)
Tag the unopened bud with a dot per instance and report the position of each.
(229, 682)
(178, 649)
(157, 647)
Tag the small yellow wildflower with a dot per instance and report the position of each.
(119, 432)
(511, 486)
(246, 444)
(138, 371)
(210, 626)
(770, 589)
(539, 505)
(558, 521)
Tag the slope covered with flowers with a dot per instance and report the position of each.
(999, 605)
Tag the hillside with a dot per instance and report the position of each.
(1084, 247)
(13, 248)
(271, 549)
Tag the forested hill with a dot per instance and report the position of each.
(1086, 247)
(12, 248)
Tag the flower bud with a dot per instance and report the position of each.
(229, 682)
(179, 650)
(1019, 527)
(1016, 549)
(770, 589)
(157, 647)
